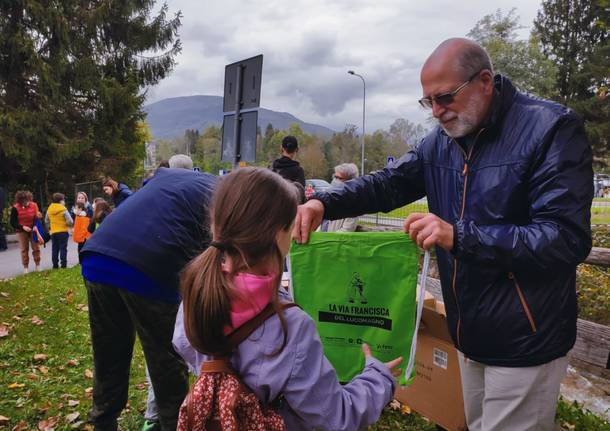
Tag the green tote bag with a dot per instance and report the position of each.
(358, 288)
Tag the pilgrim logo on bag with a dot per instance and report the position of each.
(356, 310)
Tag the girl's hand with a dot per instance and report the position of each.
(27, 228)
(391, 365)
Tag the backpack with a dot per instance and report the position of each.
(220, 401)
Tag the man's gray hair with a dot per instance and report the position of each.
(181, 161)
(472, 59)
(348, 170)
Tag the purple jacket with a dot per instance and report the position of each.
(302, 375)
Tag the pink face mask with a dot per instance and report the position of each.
(255, 291)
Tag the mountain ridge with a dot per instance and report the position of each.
(169, 118)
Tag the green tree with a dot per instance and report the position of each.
(71, 80)
(404, 135)
(191, 136)
(575, 34)
(520, 60)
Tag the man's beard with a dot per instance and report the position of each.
(466, 122)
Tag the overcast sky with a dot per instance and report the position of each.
(309, 45)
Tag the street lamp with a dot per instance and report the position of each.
(351, 72)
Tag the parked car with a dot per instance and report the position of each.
(318, 185)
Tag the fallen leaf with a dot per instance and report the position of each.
(4, 420)
(32, 376)
(72, 417)
(395, 405)
(77, 425)
(89, 391)
(141, 386)
(16, 385)
(4, 294)
(43, 369)
(70, 296)
(406, 410)
(37, 321)
(73, 403)
(73, 363)
(22, 425)
(88, 374)
(48, 424)
(16, 318)
(3, 331)
(40, 357)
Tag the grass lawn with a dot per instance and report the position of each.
(598, 215)
(46, 365)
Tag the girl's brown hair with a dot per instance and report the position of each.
(102, 209)
(250, 207)
(22, 197)
(111, 183)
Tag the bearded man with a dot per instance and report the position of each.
(509, 183)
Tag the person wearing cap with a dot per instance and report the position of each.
(286, 165)
(509, 182)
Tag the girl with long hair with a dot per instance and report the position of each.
(238, 276)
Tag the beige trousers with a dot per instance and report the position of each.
(25, 241)
(503, 398)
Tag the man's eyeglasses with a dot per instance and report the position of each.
(445, 99)
(340, 178)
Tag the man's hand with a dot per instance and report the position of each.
(309, 217)
(428, 230)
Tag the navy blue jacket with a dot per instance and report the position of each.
(520, 204)
(122, 193)
(159, 229)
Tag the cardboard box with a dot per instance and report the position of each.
(436, 392)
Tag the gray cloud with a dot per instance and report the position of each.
(308, 46)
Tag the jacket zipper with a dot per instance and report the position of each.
(528, 313)
(455, 261)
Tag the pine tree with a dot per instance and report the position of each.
(71, 79)
(575, 34)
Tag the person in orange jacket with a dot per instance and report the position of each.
(81, 224)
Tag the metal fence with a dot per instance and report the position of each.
(600, 213)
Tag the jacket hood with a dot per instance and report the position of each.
(284, 162)
(56, 208)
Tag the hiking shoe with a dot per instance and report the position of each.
(151, 425)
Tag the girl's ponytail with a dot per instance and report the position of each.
(206, 302)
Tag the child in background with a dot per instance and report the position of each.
(81, 225)
(81, 197)
(236, 278)
(101, 211)
(58, 219)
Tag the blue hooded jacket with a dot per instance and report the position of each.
(519, 201)
(153, 234)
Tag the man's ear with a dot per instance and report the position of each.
(487, 79)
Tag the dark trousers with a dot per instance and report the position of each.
(80, 247)
(60, 249)
(3, 245)
(115, 316)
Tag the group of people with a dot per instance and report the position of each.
(508, 178)
(26, 219)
